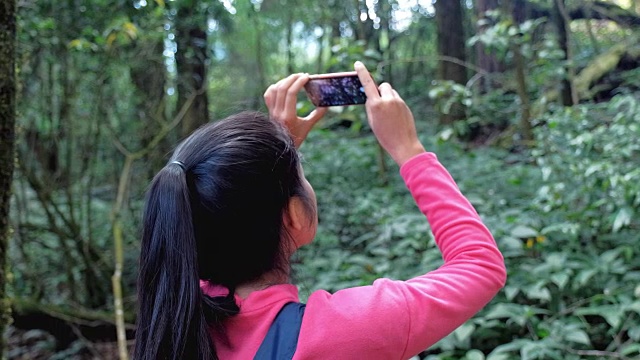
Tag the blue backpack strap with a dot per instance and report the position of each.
(282, 339)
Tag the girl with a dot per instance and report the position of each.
(224, 216)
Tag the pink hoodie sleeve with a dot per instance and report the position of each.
(473, 270)
(399, 319)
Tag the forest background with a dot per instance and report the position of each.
(533, 106)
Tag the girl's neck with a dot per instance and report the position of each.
(266, 280)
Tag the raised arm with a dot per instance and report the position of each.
(473, 270)
(398, 319)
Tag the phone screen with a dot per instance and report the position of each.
(337, 89)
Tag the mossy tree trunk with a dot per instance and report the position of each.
(7, 141)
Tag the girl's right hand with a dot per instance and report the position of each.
(281, 99)
(390, 118)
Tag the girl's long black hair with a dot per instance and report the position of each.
(214, 213)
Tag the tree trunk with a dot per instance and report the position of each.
(149, 75)
(359, 30)
(526, 131)
(260, 69)
(7, 141)
(451, 43)
(485, 60)
(191, 59)
(525, 104)
(520, 10)
(559, 18)
(290, 23)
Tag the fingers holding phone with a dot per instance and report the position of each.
(390, 118)
(335, 89)
(281, 99)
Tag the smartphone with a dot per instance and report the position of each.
(335, 89)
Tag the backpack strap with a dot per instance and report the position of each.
(282, 338)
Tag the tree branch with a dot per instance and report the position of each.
(606, 354)
(596, 10)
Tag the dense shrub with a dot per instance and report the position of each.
(564, 215)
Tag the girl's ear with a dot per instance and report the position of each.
(295, 217)
(296, 220)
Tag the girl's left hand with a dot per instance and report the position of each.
(281, 99)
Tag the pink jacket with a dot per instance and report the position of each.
(388, 319)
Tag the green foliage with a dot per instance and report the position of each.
(447, 93)
(367, 228)
(564, 216)
(565, 213)
(580, 259)
(502, 33)
(588, 157)
(346, 52)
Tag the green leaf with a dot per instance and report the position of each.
(511, 292)
(560, 279)
(538, 291)
(498, 356)
(610, 255)
(584, 276)
(623, 218)
(631, 349)
(634, 306)
(463, 332)
(634, 333)
(612, 314)
(474, 355)
(578, 336)
(503, 311)
(510, 242)
(523, 232)
(556, 260)
(513, 346)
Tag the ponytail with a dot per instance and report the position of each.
(170, 323)
(191, 209)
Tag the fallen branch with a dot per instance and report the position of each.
(600, 66)
(68, 324)
(594, 10)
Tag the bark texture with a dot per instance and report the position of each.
(485, 60)
(7, 141)
(451, 44)
(191, 63)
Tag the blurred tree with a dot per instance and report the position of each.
(191, 61)
(148, 73)
(57, 151)
(562, 21)
(451, 48)
(7, 140)
(519, 62)
(484, 58)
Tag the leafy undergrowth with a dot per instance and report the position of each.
(564, 213)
